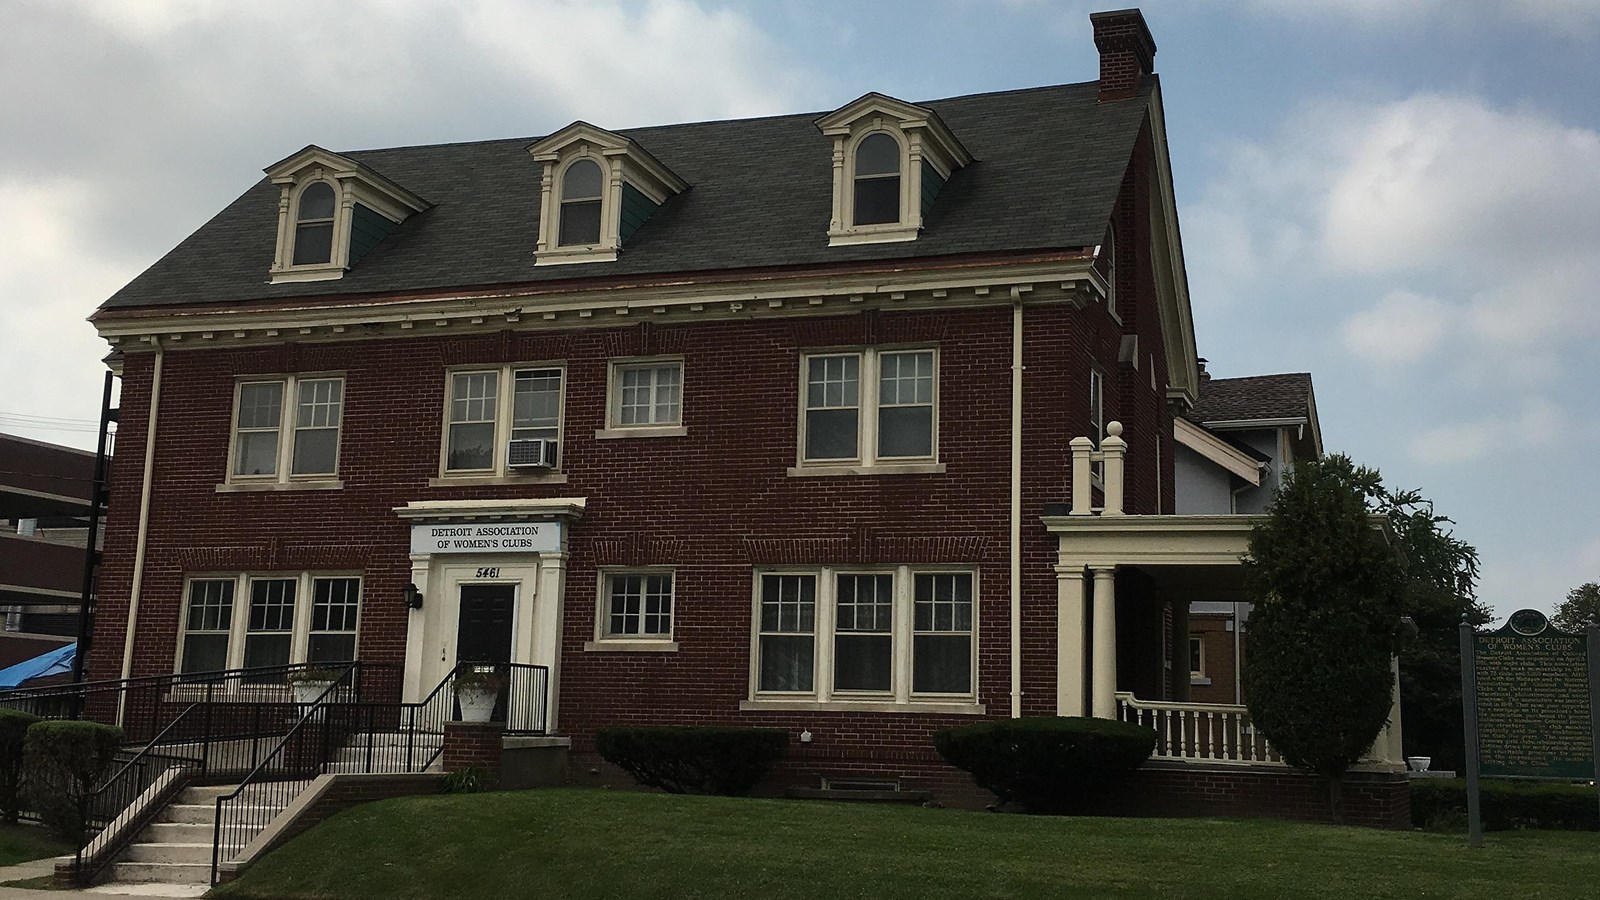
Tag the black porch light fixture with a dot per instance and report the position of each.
(413, 596)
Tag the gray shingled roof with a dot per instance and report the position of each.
(1049, 164)
(1253, 398)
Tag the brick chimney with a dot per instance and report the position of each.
(1127, 52)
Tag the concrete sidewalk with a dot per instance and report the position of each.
(48, 867)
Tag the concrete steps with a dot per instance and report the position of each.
(176, 847)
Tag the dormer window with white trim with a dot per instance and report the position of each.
(313, 229)
(597, 189)
(332, 211)
(890, 158)
(580, 204)
(876, 193)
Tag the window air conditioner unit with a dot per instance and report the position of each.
(531, 453)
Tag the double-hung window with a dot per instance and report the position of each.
(1097, 421)
(263, 621)
(488, 410)
(869, 407)
(287, 429)
(904, 635)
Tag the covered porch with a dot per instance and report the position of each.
(1124, 585)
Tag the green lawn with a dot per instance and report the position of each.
(20, 843)
(592, 843)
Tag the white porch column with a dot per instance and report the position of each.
(1070, 645)
(1388, 747)
(1105, 643)
(549, 605)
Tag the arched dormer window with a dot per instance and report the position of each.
(890, 160)
(581, 193)
(332, 211)
(313, 228)
(596, 189)
(876, 189)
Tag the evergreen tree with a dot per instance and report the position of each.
(1329, 590)
(1580, 610)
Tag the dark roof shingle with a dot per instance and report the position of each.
(1253, 398)
(1049, 163)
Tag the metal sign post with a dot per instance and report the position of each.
(1594, 698)
(1469, 718)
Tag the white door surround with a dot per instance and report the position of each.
(517, 542)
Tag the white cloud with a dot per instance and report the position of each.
(1537, 425)
(125, 126)
(1561, 16)
(1403, 327)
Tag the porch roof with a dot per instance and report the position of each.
(1102, 540)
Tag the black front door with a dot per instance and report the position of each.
(484, 633)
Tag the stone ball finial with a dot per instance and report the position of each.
(1114, 429)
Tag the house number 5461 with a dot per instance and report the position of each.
(493, 572)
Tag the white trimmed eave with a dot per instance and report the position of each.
(1217, 451)
(549, 150)
(1172, 278)
(389, 197)
(1069, 281)
(1219, 540)
(440, 511)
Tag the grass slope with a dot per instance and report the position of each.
(20, 843)
(589, 843)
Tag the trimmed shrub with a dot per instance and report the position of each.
(63, 762)
(693, 759)
(1441, 803)
(13, 727)
(1046, 764)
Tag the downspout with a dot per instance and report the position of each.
(1016, 506)
(144, 520)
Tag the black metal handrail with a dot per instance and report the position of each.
(349, 733)
(113, 807)
(144, 706)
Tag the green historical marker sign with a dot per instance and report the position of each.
(1533, 701)
(1531, 698)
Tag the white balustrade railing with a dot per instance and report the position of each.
(1203, 732)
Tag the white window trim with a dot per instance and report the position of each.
(1097, 402)
(899, 697)
(288, 410)
(614, 428)
(866, 461)
(1110, 251)
(239, 626)
(283, 267)
(621, 161)
(500, 473)
(630, 643)
(844, 230)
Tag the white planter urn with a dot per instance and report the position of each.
(307, 692)
(477, 702)
(1419, 763)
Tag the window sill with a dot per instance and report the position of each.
(949, 708)
(470, 480)
(1199, 682)
(813, 471)
(308, 273)
(873, 234)
(245, 487)
(611, 434)
(619, 646)
(556, 256)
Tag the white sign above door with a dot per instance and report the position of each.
(489, 537)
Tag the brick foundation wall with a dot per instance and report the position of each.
(474, 745)
(1378, 800)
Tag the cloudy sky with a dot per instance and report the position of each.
(1402, 198)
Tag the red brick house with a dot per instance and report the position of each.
(762, 422)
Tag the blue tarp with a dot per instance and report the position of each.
(56, 662)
